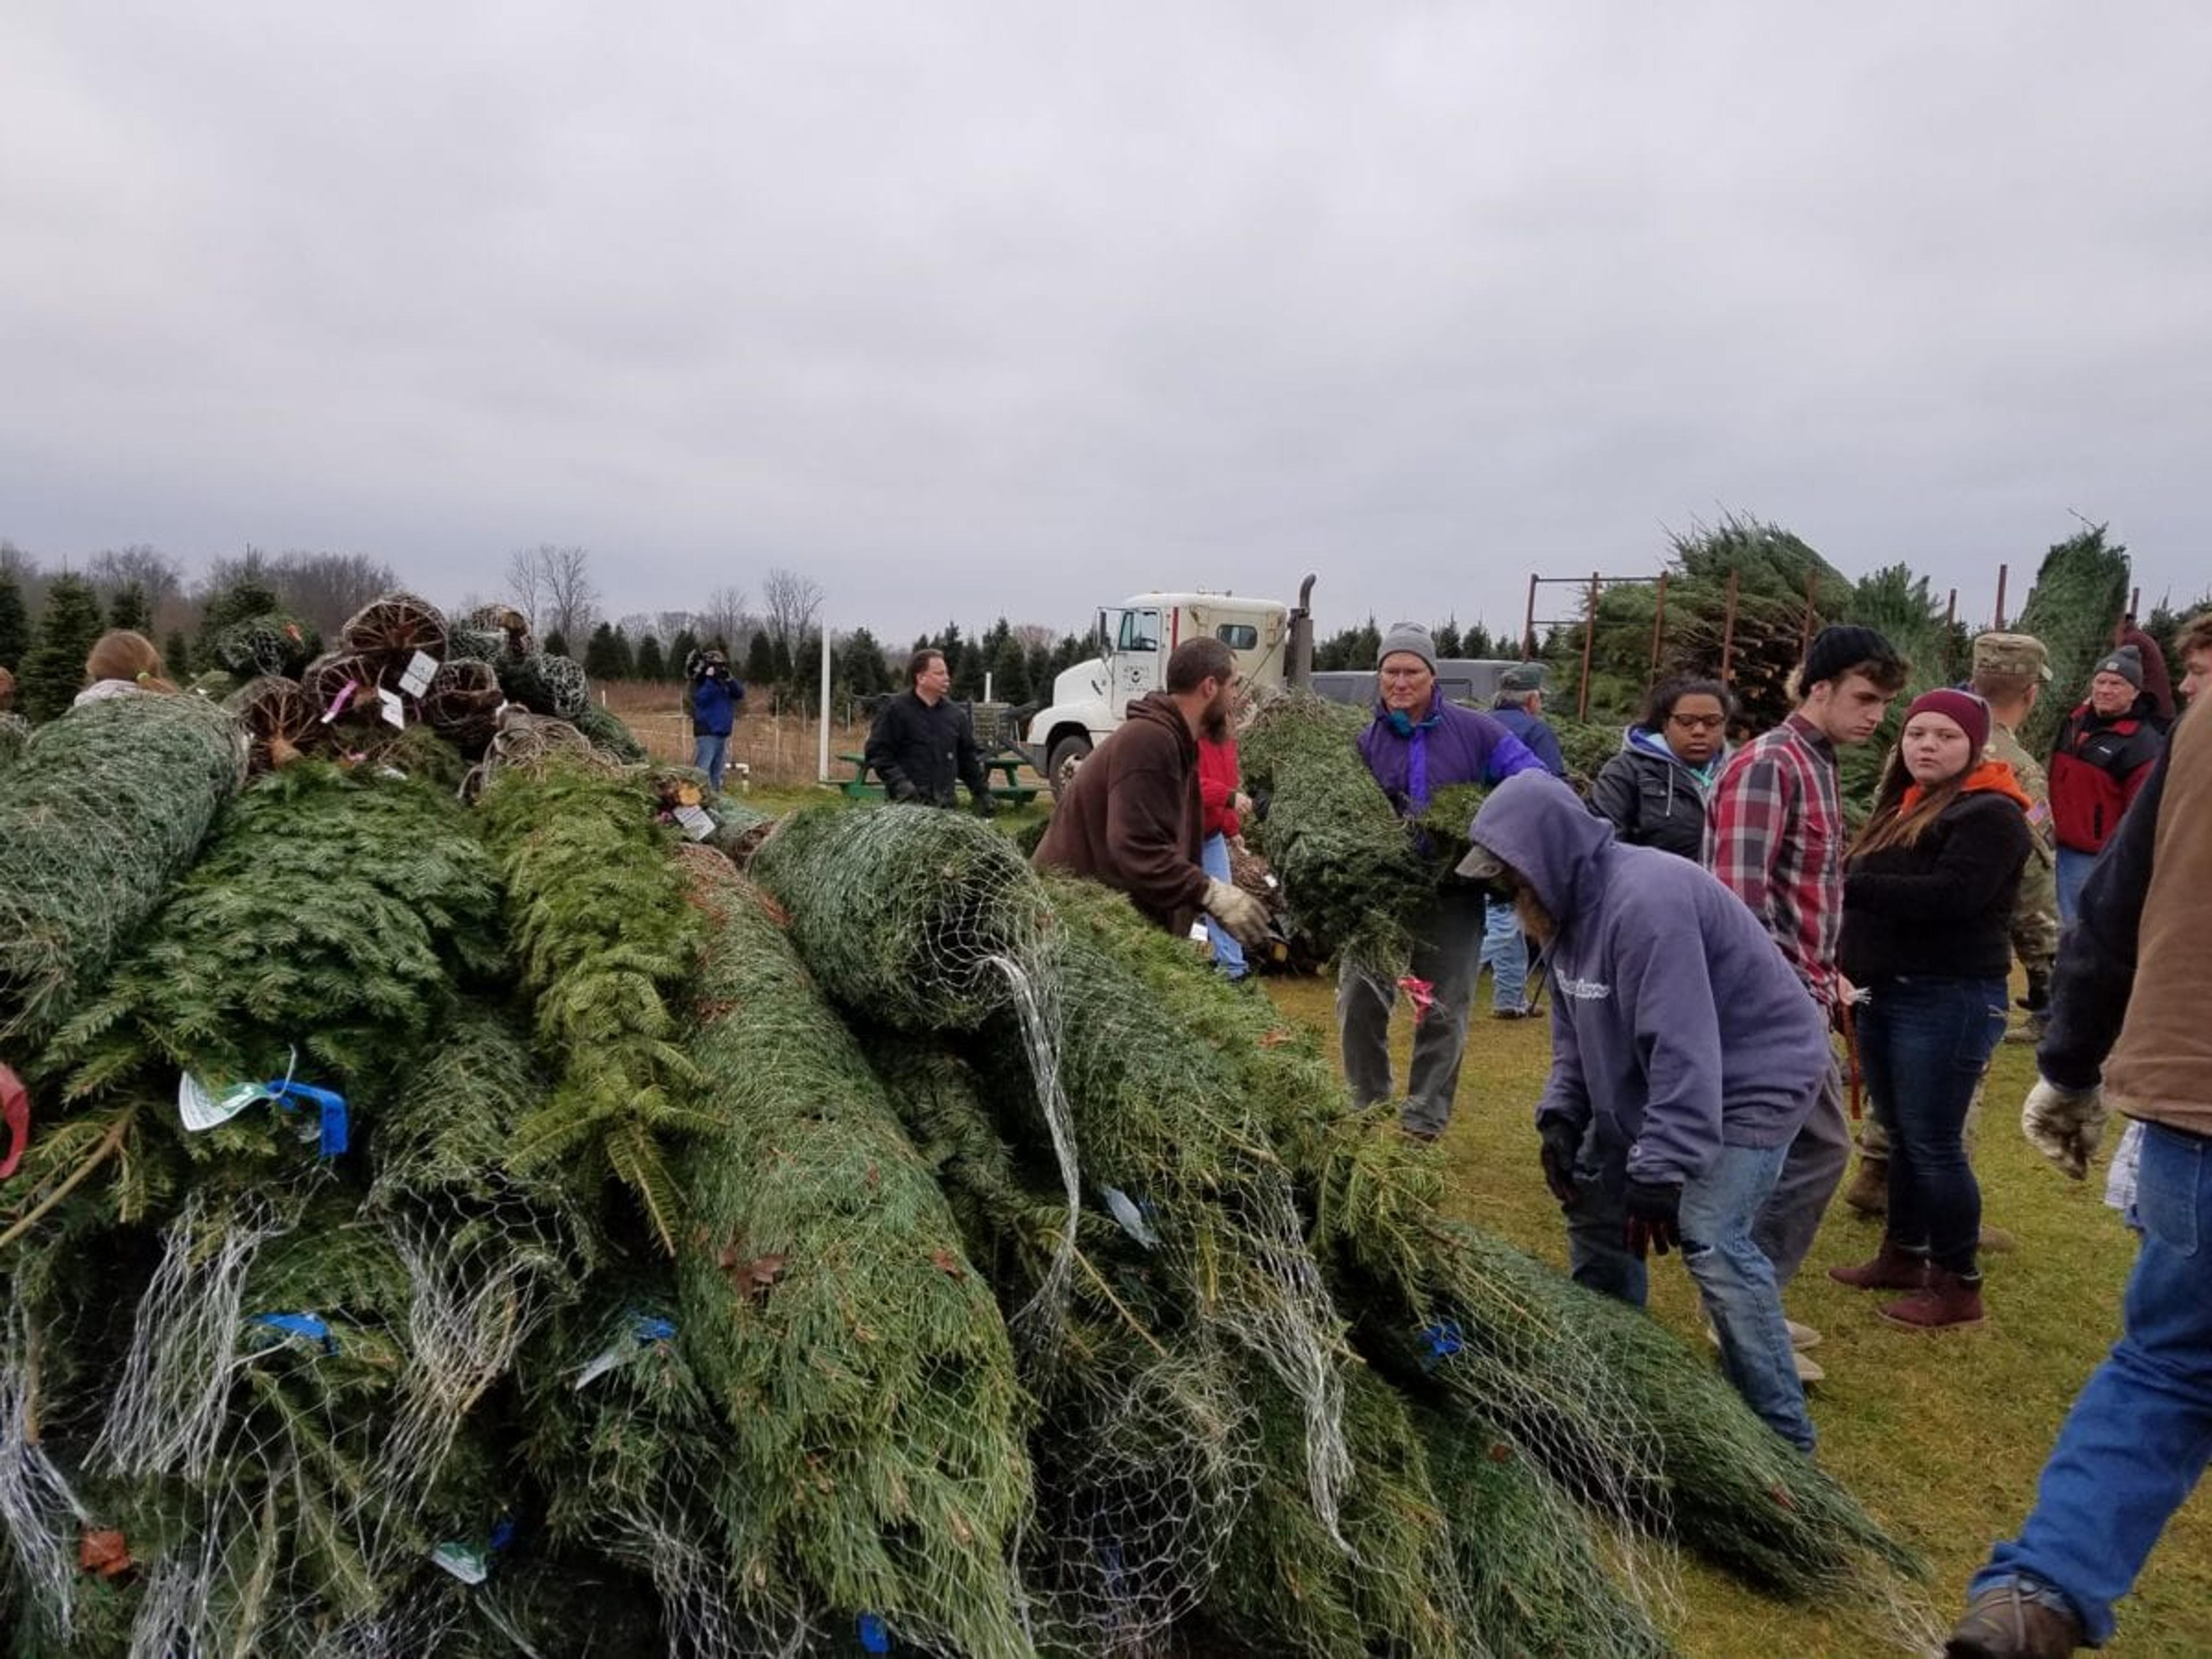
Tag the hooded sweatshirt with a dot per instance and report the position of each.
(1653, 797)
(1412, 759)
(1676, 1023)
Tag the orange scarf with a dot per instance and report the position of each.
(1992, 777)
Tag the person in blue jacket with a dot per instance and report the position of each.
(1417, 745)
(1685, 1054)
(715, 695)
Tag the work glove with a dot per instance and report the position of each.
(986, 807)
(1245, 916)
(904, 790)
(1563, 1140)
(2064, 1125)
(1654, 1222)
(2038, 999)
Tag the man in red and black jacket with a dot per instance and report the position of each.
(2104, 751)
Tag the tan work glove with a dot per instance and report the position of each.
(2064, 1125)
(1245, 916)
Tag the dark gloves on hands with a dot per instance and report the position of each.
(1562, 1141)
(1653, 1216)
(904, 790)
(986, 806)
(2038, 999)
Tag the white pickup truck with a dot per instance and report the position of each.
(1093, 697)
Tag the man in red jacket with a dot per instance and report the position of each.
(2104, 751)
(1223, 804)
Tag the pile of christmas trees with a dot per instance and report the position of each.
(514, 1228)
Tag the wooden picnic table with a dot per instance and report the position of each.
(1013, 790)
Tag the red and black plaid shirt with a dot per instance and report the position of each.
(1775, 838)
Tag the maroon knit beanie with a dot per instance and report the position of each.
(1969, 711)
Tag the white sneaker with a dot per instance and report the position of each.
(1800, 1336)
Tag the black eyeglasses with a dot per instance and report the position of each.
(1697, 722)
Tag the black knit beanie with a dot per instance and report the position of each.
(1837, 649)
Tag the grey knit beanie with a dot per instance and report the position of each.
(2127, 662)
(1408, 636)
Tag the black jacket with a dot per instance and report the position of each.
(922, 752)
(1942, 908)
(1653, 800)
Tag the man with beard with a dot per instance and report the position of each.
(1132, 818)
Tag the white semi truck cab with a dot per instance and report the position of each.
(1090, 700)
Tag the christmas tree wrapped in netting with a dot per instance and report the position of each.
(1352, 877)
(826, 1303)
(2080, 590)
(103, 812)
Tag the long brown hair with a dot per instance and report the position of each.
(1894, 825)
(123, 653)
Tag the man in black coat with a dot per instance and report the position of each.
(923, 744)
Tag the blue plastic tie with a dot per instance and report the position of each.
(875, 1635)
(1442, 1341)
(648, 1331)
(300, 1324)
(328, 1104)
(502, 1533)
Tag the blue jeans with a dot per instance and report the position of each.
(1734, 1279)
(1228, 954)
(709, 755)
(2073, 874)
(1923, 1044)
(2141, 1432)
(1505, 953)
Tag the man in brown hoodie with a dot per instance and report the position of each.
(1131, 818)
(2127, 1029)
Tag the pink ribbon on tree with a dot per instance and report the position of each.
(15, 1113)
(1421, 993)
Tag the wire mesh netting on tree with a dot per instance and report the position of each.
(462, 705)
(281, 719)
(388, 631)
(852, 1348)
(104, 810)
(903, 913)
(1352, 879)
(545, 685)
(272, 642)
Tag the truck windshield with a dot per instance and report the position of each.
(1140, 631)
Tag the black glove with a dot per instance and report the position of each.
(1562, 1141)
(2038, 999)
(986, 806)
(1655, 1221)
(904, 790)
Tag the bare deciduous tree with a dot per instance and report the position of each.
(552, 586)
(726, 617)
(1034, 637)
(153, 572)
(526, 583)
(327, 588)
(794, 602)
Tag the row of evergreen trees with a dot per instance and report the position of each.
(48, 660)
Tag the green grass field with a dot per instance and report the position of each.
(1941, 1435)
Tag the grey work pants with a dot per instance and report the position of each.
(1448, 953)
(1810, 1175)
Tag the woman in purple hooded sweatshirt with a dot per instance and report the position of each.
(1417, 745)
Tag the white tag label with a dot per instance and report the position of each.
(696, 822)
(202, 1111)
(417, 680)
(395, 712)
(465, 1564)
(1197, 933)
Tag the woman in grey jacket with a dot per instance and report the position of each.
(1655, 791)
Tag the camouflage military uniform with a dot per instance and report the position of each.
(2035, 913)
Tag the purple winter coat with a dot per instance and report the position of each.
(1461, 746)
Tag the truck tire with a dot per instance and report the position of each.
(1066, 755)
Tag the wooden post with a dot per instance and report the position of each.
(1529, 627)
(1951, 611)
(1658, 623)
(1728, 629)
(2134, 602)
(1998, 625)
(1589, 638)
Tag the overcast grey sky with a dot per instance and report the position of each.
(973, 308)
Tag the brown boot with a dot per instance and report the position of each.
(1947, 1299)
(1868, 1192)
(2002, 1623)
(1895, 1268)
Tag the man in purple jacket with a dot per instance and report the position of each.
(1685, 1054)
(1417, 745)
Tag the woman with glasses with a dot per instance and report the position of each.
(1655, 792)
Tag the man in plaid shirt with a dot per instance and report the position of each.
(1776, 838)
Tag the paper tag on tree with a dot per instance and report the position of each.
(417, 680)
(466, 1565)
(696, 822)
(395, 712)
(203, 1110)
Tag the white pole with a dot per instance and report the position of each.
(987, 685)
(823, 775)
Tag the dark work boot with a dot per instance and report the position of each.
(1868, 1192)
(1945, 1300)
(1895, 1268)
(2003, 1623)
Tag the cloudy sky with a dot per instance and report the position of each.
(972, 308)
